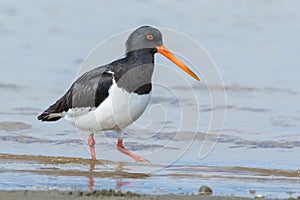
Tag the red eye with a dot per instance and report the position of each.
(149, 37)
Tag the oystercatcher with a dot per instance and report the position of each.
(113, 96)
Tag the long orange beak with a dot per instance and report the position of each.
(164, 51)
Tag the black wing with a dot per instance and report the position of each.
(89, 90)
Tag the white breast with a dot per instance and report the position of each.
(118, 110)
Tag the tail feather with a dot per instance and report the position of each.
(47, 116)
(57, 110)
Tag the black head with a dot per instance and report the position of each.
(147, 37)
(143, 38)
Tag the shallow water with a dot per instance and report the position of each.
(255, 45)
(72, 174)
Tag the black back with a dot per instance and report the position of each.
(132, 73)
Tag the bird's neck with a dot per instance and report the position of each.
(136, 73)
(141, 56)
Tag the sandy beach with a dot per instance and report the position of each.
(105, 195)
(124, 180)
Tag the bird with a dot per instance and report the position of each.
(113, 96)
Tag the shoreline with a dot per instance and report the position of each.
(87, 172)
(107, 195)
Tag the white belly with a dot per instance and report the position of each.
(117, 111)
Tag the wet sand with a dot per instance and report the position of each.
(103, 194)
(87, 162)
(97, 171)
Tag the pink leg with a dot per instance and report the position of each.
(122, 149)
(92, 143)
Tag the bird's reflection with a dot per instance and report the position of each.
(119, 179)
(91, 178)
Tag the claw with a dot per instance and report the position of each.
(122, 149)
(141, 159)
